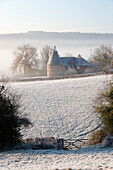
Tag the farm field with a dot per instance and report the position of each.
(62, 109)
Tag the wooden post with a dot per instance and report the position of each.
(60, 144)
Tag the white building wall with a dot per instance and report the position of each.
(53, 71)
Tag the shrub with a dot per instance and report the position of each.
(97, 136)
(10, 118)
(104, 107)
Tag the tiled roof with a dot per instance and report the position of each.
(54, 59)
(77, 61)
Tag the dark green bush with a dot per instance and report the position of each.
(10, 118)
(104, 107)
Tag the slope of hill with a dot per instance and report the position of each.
(55, 35)
(60, 108)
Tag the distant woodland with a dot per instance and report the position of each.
(56, 35)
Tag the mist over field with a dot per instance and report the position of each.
(66, 43)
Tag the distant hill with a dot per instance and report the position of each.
(67, 43)
(55, 35)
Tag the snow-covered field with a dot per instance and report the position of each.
(60, 108)
(83, 158)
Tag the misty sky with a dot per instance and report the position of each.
(56, 15)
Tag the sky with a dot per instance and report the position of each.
(56, 15)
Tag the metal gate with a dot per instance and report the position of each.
(74, 143)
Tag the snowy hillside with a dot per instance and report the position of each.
(61, 108)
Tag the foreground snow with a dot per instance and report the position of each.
(60, 108)
(93, 157)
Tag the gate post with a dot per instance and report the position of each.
(60, 143)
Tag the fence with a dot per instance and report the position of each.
(70, 143)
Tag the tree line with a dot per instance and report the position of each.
(26, 57)
(102, 59)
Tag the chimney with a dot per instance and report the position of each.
(71, 62)
(79, 56)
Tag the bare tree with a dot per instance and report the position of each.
(102, 58)
(45, 53)
(26, 56)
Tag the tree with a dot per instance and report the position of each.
(45, 53)
(26, 56)
(104, 106)
(102, 58)
(10, 118)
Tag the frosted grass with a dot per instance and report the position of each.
(61, 108)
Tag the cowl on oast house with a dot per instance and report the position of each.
(62, 66)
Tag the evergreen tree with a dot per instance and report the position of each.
(10, 118)
(104, 106)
